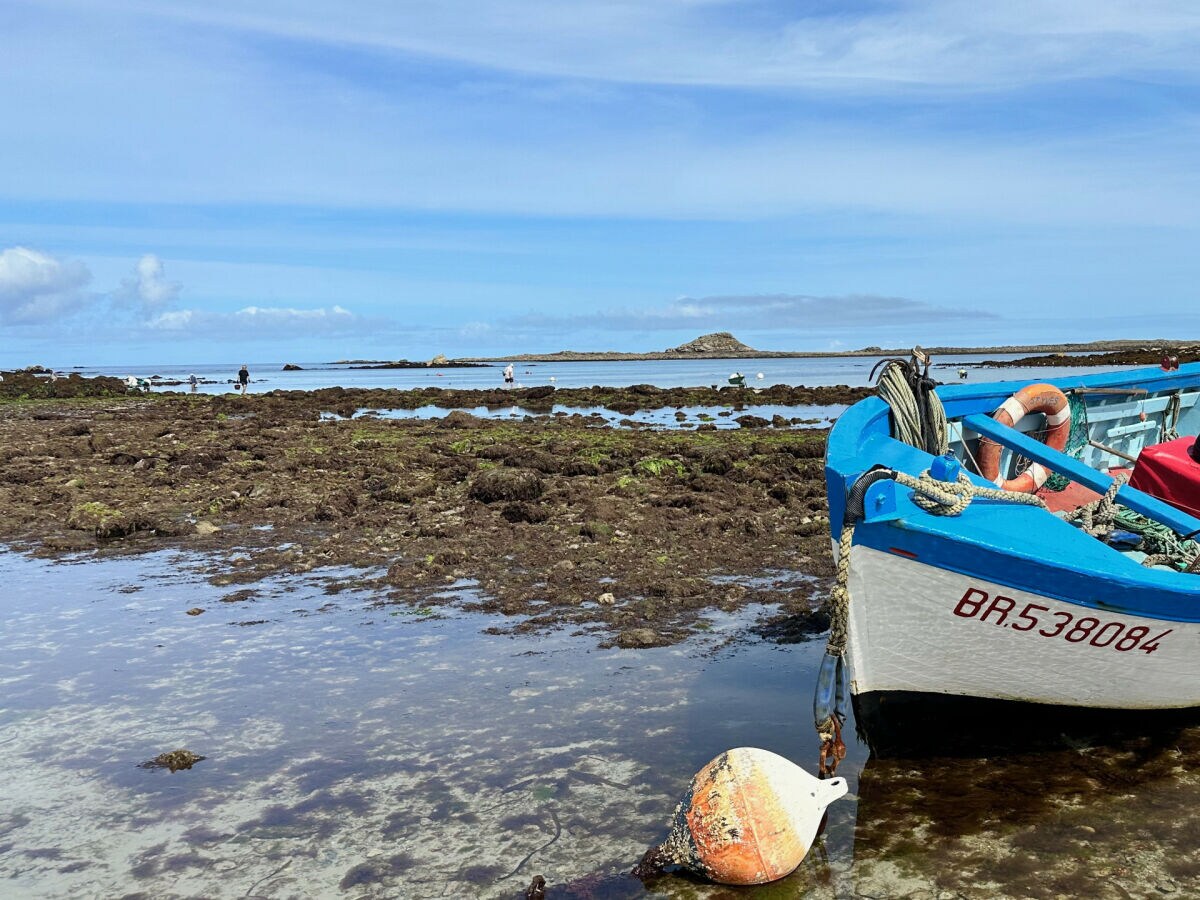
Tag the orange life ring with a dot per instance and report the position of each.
(1040, 398)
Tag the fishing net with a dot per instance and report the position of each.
(1158, 540)
(1077, 441)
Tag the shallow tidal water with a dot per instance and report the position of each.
(811, 371)
(355, 750)
(804, 416)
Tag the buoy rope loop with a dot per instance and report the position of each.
(839, 596)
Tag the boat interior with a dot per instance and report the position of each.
(1148, 435)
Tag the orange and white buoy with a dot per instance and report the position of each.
(749, 817)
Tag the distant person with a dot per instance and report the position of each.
(243, 378)
(962, 374)
(193, 381)
(508, 375)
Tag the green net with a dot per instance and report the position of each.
(1158, 539)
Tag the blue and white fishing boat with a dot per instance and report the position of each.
(1012, 547)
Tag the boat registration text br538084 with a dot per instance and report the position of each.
(1038, 619)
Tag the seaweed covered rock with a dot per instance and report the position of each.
(28, 384)
(103, 521)
(492, 485)
(459, 419)
(173, 760)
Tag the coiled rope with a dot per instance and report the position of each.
(1097, 518)
(918, 417)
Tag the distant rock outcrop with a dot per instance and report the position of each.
(292, 367)
(439, 360)
(719, 342)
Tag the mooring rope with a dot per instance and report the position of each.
(940, 498)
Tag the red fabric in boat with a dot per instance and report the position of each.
(1168, 472)
(1074, 495)
(1069, 498)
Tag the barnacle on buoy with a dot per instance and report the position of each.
(749, 817)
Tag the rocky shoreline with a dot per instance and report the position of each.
(1140, 356)
(1050, 351)
(723, 345)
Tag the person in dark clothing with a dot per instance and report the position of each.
(243, 377)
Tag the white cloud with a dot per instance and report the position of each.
(178, 320)
(149, 287)
(36, 287)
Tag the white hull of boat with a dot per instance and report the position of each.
(919, 628)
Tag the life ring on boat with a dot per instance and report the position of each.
(1039, 398)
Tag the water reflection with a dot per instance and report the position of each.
(379, 750)
(799, 416)
(364, 751)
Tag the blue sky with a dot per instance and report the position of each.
(208, 180)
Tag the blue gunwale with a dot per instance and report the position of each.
(1015, 546)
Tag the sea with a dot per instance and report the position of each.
(355, 750)
(808, 371)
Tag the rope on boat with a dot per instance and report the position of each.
(918, 417)
(1170, 420)
(1097, 517)
(939, 498)
(949, 498)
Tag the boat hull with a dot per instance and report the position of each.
(922, 629)
(906, 724)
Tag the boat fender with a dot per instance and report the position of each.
(831, 696)
(748, 817)
(1033, 398)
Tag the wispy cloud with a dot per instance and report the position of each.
(257, 322)
(862, 47)
(348, 110)
(37, 288)
(793, 312)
